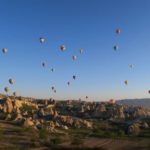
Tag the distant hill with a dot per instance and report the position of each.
(136, 102)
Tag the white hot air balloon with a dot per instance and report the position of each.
(116, 47)
(42, 40)
(62, 48)
(4, 50)
(74, 57)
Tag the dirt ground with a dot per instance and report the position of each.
(13, 137)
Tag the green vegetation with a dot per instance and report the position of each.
(56, 141)
(43, 134)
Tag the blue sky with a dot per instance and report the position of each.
(87, 24)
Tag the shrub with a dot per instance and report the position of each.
(56, 141)
(43, 134)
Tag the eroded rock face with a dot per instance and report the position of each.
(28, 123)
(8, 106)
(145, 125)
(50, 115)
(134, 129)
(87, 124)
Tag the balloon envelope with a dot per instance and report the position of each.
(118, 31)
(126, 82)
(116, 47)
(62, 47)
(131, 65)
(81, 50)
(4, 50)
(43, 64)
(74, 57)
(11, 81)
(42, 40)
(6, 89)
(14, 94)
(74, 77)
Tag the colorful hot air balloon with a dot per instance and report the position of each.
(74, 57)
(42, 40)
(11, 81)
(4, 50)
(62, 47)
(118, 31)
(116, 47)
(126, 82)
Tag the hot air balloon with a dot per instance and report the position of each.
(54, 91)
(118, 31)
(68, 83)
(112, 101)
(116, 47)
(81, 50)
(6, 89)
(14, 94)
(42, 40)
(74, 77)
(53, 88)
(149, 91)
(62, 47)
(86, 97)
(4, 50)
(126, 82)
(11, 81)
(52, 69)
(44, 64)
(131, 66)
(74, 57)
